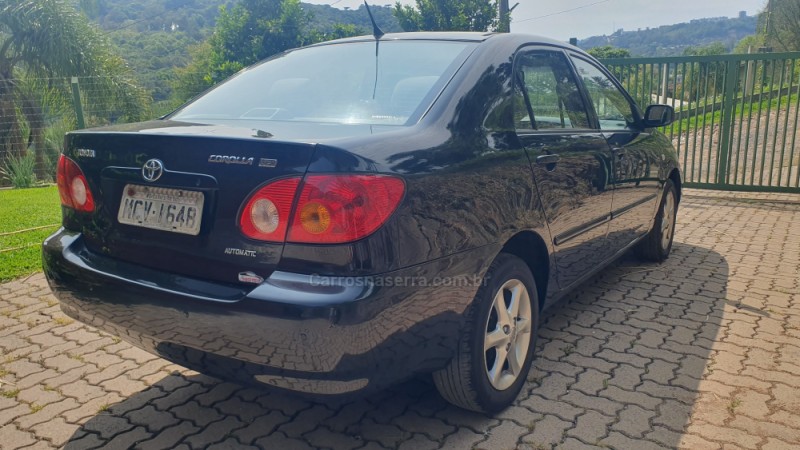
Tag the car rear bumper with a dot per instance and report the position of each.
(298, 332)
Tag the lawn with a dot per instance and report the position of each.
(27, 217)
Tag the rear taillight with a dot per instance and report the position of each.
(330, 209)
(335, 209)
(73, 187)
(265, 216)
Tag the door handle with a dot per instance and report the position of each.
(546, 160)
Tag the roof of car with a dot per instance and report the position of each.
(450, 36)
(427, 36)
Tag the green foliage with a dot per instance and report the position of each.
(715, 48)
(195, 77)
(338, 31)
(780, 24)
(27, 217)
(247, 33)
(671, 40)
(326, 17)
(20, 170)
(749, 44)
(158, 36)
(45, 39)
(153, 56)
(192, 17)
(54, 141)
(448, 15)
(608, 52)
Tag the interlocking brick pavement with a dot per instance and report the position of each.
(700, 352)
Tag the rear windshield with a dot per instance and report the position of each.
(340, 83)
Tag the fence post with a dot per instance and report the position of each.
(76, 101)
(728, 101)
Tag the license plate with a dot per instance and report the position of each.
(163, 209)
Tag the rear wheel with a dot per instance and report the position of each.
(658, 243)
(496, 352)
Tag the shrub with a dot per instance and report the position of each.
(20, 170)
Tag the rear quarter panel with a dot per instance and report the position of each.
(469, 180)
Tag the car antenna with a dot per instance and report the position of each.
(376, 30)
(378, 33)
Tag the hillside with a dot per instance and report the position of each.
(155, 36)
(197, 17)
(672, 40)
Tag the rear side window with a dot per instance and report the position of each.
(547, 95)
(351, 83)
(613, 109)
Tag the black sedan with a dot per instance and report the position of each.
(344, 216)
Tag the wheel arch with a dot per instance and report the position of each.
(531, 248)
(675, 176)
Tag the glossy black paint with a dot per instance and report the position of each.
(568, 203)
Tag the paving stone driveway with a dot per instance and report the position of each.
(700, 352)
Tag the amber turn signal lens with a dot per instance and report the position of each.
(315, 218)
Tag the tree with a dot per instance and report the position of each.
(780, 23)
(609, 52)
(43, 39)
(715, 48)
(247, 33)
(448, 15)
(708, 77)
(749, 44)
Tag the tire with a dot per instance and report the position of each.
(475, 378)
(658, 242)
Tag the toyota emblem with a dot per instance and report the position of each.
(152, 170)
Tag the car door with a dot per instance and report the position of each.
(567, 156)
(634, 165)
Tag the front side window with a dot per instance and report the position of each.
(614, 111)
(350, 83)
(547, 94)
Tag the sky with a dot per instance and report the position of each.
(563, 19)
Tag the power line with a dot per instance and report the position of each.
(562, 12)
(130, 24)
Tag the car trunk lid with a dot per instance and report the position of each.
(169, 196)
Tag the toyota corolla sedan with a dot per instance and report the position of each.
(344, 216)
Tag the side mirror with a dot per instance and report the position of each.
(657, 116)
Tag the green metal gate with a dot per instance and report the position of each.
(737, 116)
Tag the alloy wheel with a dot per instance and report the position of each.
(668, 220)
(508, 334)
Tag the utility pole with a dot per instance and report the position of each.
(505, 17)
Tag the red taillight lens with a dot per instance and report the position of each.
(265, 216)
(334, 209)
(331, 209)
(73, 187)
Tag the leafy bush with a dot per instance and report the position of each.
(20, 170)
(54, 143)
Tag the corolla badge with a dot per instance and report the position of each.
(152, 170)
(226, 159)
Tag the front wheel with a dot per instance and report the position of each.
(496, 352)
(658, 243)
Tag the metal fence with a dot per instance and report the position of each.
(36, 113)
(737, 116)
(737, 128)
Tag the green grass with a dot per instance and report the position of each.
(742, 112)
(22, 209)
